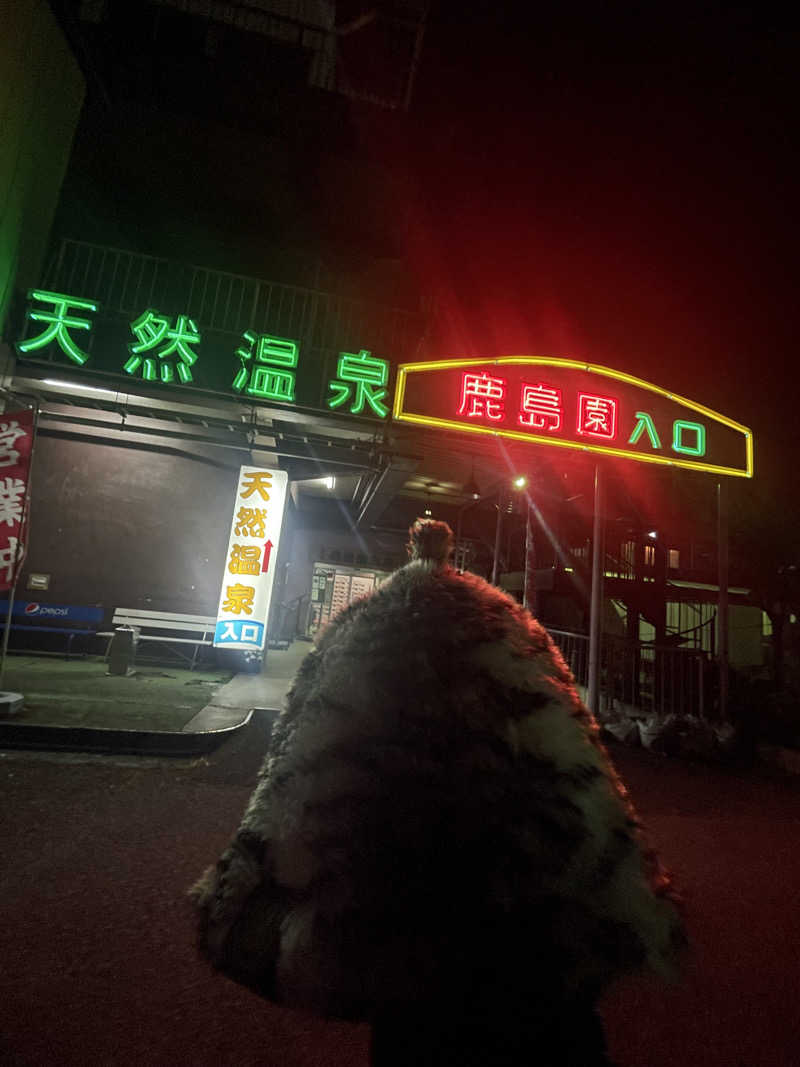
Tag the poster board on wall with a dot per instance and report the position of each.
(333, 587)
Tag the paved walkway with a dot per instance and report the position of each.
(150, 712)
(265, 691)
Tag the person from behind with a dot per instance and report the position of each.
(438, 843)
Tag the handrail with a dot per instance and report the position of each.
(125, 282)
(631, 642)
(635, 674)
(56, 265)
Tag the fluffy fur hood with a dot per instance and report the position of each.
(435, 811)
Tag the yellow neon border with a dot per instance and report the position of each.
(405, 369)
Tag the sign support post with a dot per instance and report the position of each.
(529, 587)
(498, 531)
(722, 605)
(6, 633)
(596, 610)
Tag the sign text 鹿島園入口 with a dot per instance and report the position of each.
(567, 404)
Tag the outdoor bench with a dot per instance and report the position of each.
(166, 628)
(71, 620)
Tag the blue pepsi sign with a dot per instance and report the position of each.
(34, 610)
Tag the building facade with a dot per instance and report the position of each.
(229, 281)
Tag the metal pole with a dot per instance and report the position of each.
(529, 589)
(458, 537)
(412, 73)
(597, 593)
(497, 533)
(464, 507)
(6, 632)
(722, 605)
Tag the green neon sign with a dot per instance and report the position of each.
(680, 427)
(268, 367)
(360, 379)
(154, 334)
(59, 322)
(698, 448)
(644, 422)
(164, 350)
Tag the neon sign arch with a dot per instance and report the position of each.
(569, 404)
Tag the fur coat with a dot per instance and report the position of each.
(435, 816)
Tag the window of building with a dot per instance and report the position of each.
(674, 558)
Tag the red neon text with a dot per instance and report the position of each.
(482, 396)
(540, 407)
(597, 416)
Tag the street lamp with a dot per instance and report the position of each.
(471, 487)
(518, 482)
(472, 491)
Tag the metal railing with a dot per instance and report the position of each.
(289, 620)
(644, 678)
(125, 283)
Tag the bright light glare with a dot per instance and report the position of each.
(77, 385)
(330, 482)
(520, 482)
(653, 534)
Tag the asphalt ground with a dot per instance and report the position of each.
(97, 942)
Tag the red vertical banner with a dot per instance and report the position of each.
(16, 444)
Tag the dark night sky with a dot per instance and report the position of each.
(614, 183)
(620, 186)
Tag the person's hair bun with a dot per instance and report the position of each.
(430, 540)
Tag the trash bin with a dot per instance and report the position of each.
(122, 653)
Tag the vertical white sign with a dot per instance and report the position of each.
(251, 559)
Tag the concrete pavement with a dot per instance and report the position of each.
(117, 730)
(244, 692)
